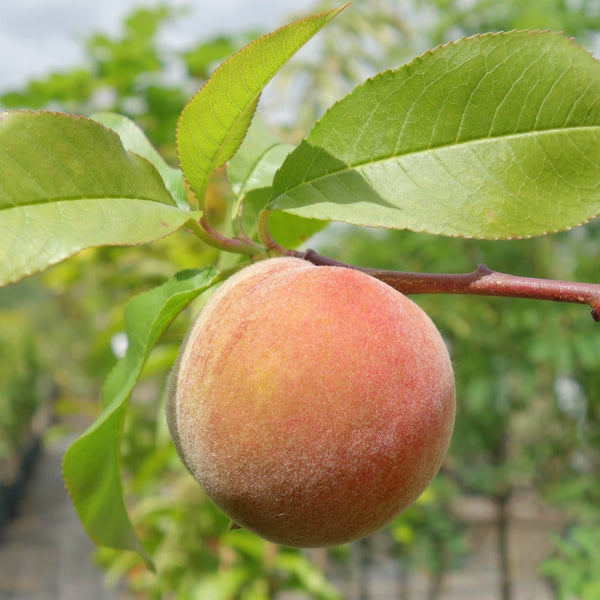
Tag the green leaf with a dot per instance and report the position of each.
(223, 584)
(287, 230)
(257, 160)
(493, 136)
(310, 578)
(213, 124)
(67, 183)
(251, 173)
(134, 140)
(91, 464)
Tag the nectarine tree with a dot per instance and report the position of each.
(311, 399)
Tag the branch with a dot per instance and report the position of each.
(481, 282)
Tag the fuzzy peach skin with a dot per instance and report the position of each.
(312, 404)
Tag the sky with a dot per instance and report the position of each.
(37, 36)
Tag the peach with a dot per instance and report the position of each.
(312, 404)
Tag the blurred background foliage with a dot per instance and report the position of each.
(528, 420)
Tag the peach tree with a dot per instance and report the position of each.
(490, 137)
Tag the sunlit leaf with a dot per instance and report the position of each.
(257, 159)
(251, 173)
(494, 136)
(91, 465)
(213, 124)
(67, 183)
(134, 140)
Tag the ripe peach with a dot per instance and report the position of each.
(312, 404)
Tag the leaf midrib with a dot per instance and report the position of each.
(358, 165)
(87, 199)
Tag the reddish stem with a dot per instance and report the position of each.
(240, 244)
(482, 282)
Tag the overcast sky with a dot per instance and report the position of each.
(40, 35)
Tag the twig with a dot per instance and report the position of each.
(481, 282)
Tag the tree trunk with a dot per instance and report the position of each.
(437, 575)
(503, 548)
(359, 559)
(403, 582)
(435, 586)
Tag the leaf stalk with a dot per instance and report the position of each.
(264, 235)
(239, 245)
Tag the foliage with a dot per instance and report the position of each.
(106, 190)
(452, 17)
(445, 144)
(426, 535)
(19, 393)
(217, 117)
(375, 36)
(425, 134)
(574, 568)
(146, 317)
